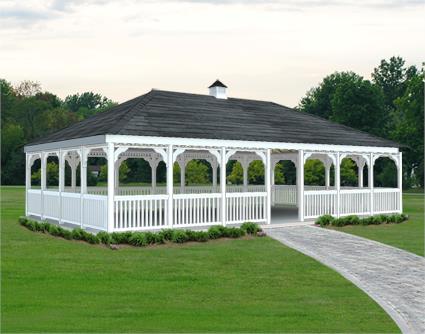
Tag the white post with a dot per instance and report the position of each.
(27, 180)
(273, 181)
(370, 182)
(300, 185)
(61, 159)
(170, 184)
(117, 175)
(83, 183)
(182, 177)
(214, 176)
(223, 185)
(400, 181)
(111, 186)
(267, 180)
(328, 175)
(73, 166)
(43, 181)
(338, 183)
(154, 166)
(360, 168)
(245, 166)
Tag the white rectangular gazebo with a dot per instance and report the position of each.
(178, 127)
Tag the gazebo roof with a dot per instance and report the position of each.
(171, 114)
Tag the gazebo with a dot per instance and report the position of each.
(173, 127)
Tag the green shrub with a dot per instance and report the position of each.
(215, 232)
(66, 234)
(138, 239)
(199, 236)
(179, 236)
(91, 238)
(121, 237)
(250, 228)
(77, 234)
(233, 232)
(324, 220)
(151, 237)
(166, 234)
(22, 220)
(104, 237)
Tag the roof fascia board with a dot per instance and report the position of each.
(198, 142)
(72, 143)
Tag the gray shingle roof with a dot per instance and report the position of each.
(171, 114)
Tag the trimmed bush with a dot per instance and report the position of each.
(324, 220)
(104, 237)
(179, 236)
(141, 239)
(215, 232)
(250, 228)
(138, 239)
(355, 220)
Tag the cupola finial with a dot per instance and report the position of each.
(218, 90)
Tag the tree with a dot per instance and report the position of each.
(408, 127)
(28, 88)
(87, 104)
(347, 98)
(196, 172)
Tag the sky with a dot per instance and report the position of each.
(266, 50)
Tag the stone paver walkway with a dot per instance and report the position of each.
(393, 277)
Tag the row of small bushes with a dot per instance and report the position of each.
(326, 220)
(141, 239)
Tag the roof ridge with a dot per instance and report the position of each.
(145, 98)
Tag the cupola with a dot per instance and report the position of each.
(218, 90)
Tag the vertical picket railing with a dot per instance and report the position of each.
(34, 202)
(354, 201)
(386, 200)
(319, 202)
(196, 209)
(284, 194)
(242, 207)
(140, 212)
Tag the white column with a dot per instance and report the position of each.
(43, 181)
(83, 183)
(328, 175)
(370, 182)
(273, 181)
(300, 185)
(73, 166)
(111, 186)
(338, 183)
(360, 168)
(170, 185)
(27, 180)
(154, 166)
(117, 174)
(245, 166)
(400, 181)
(223, 185)
(61, 159)
(267, 180)
(214, 176)
(182, 177)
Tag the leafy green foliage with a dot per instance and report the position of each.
(326, 220)
(141, 239)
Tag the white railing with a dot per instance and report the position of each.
(354, 201)
(284, 194)
(319, 202)
(71, 208)
(95, 211)
(242, 207)
(34, 202)
(51, 204)
(140, 212)
(386, 200)
(196, 209)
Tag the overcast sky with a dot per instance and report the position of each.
(268, 50)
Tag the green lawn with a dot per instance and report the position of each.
(408, 235)
(247, 285)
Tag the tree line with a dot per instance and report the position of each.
(391, 105)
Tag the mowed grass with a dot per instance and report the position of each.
(247, 285)
(408, 235)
